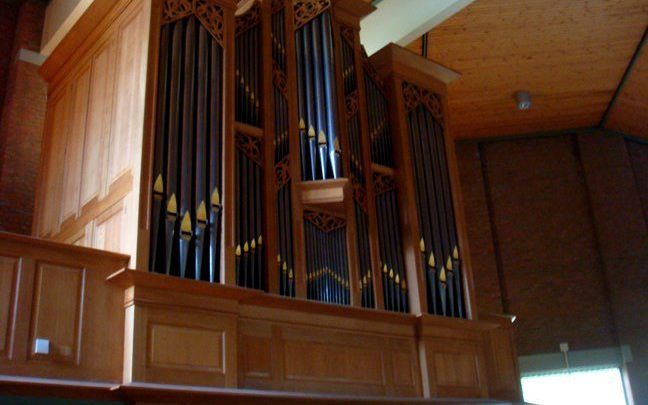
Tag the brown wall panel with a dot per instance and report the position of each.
(98, 125)
(93, 138)
(57, 310)
(59, 293)
(318, 357)
(74, 147)
(9, 275)
(456, 367)
(185, 347)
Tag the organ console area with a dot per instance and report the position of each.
(255, 204)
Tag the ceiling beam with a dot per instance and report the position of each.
(402, 22)
(60, 17)
(624, 78)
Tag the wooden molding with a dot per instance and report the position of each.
(396, 60)
(351, 12)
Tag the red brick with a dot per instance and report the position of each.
(8, 18)
(21, 124)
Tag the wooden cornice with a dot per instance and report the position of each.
(244, 296)
(14, 241)
(162, 393)
(394, 59)
(133, 278)
(88, 29)
(351, 12)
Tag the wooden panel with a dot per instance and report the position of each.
(456, 368)
(332, 362)
(61, 296)
(52, 170)
(58, 301)
(99, 87)
(97, 133)
(630, 112)
(74, 145)
(501, 359)
(570, 55)
(404, 369)
(83, 237)
(108, 230)
(317, 356)
(255, 356)
(9, 274)
(186, 348)
(128, 106)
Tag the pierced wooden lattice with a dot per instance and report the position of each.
(373, 75)
(282, 173)
(248, 20)
(413, 96)
(208, 13)
(325, 222)
(250, 146)
(351, 104)
(176, 9)
(347, 33)
(383, 183)
(277, 5)
(279, 79)
(360, 194)
(306, 10)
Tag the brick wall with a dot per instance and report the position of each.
(482, 249)
(557, 231)
(21, 123)
(8, 17)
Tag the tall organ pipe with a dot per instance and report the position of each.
(187, 157)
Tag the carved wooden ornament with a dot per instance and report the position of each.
(383, 183)
(282, 173)
(248, 20)
(325, 222)
(348, 35)
(208, 13)
(306, 10)
(413, 96)
(351, 104)
(250, 146)
(279, 79)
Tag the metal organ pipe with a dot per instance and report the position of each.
(187, 157)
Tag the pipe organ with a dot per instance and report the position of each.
(340, 136)
(289, 204)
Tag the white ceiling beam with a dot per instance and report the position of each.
(402, 21)
(60, 17)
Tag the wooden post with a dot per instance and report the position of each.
(366, 158)
(228, 275)
(349, 14)
(299, 259)
(270, 233)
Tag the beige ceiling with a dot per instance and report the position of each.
(569, 54)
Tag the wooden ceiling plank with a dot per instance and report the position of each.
(570, 55)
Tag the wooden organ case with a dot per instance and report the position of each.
(298, 224)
